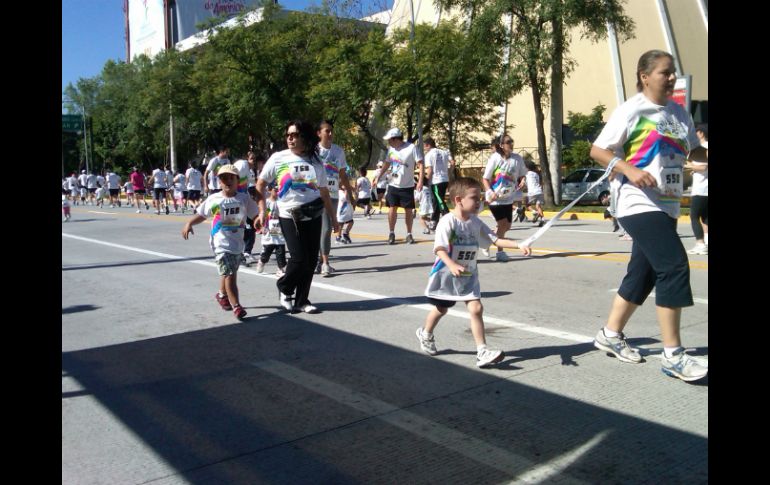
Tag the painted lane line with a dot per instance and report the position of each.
(466, 445)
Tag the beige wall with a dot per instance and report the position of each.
(593, 78)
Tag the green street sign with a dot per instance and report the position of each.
(73, 123)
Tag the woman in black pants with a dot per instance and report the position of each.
(302, 198)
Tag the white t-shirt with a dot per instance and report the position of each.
(179, 183)
(100, 182)
(91, 181)
(271, 233)
(194, 178)
(245, 175)
(533, 183)
(229, 222)
(461, 240)
(503, 176)
(298, 179)
(83, 180)
(129, 187)
(700, 180)
(439, 160)
(73, 182)
(159, 179)
(655, 139)
(424, 200)
(364, 188)
(334, 162)
(402, 165)
(344, 209)
(382, 181)
(113, 181)
(213, 168)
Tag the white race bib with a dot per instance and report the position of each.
(274, 227)
(671, 184)
(465, 256)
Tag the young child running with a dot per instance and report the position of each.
(65, 208)
(344, 217)
(364, 188)
(454, 276)
(272, 237)
(230, 210)
(424, 200)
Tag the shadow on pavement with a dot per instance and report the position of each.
(78, 308)
(285, 400)
(133, 263)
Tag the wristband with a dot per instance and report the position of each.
(612, 164)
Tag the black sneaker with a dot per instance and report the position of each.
(346, 239)
(392, 238)
(166, 210)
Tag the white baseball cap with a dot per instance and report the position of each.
(393, 133)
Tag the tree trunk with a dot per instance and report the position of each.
(539, 124)
(557, 108)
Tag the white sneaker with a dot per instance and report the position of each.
(280, 272)
(487, 357)
(326, 270)
(308, 308)
(260, 267)
(138, 211)
(248, 259)
(427, 343)
(484, 251)
(501, 256)
(285, 300)
(699, 248)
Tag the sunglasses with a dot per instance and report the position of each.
(292, 135)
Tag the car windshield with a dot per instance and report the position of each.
(594, 175)
(575, 177)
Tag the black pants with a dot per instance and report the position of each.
(249, 236)
(304, 243)
(699, 211)
(280, 254)
(439, 206)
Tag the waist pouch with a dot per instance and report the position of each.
(309, 210)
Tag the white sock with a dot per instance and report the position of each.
(669, 351)
(610, 333)
(706, 238)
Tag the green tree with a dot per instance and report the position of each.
(585, 128)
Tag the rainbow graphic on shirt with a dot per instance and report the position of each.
(645, 143)
(501, 176)
(396, 163)
(286, 182)
(218, 223)
(439, 264)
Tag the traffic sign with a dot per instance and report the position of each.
(73, 123)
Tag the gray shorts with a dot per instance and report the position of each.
(537, 199)
(228, 263)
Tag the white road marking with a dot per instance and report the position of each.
(468, 446)
(590, 232)
(98, 212)
(573, 337)
(703, 301)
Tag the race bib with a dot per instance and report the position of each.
(274, 227)
(465, 256)
(302, 175)
(671, 184)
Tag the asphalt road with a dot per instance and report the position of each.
(159, 385)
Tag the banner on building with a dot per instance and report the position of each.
(147, 33)
(190, 13)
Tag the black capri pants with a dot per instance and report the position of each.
(658, 260)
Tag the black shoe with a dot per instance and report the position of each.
(392, 238)
(615, 225)
(166, 210)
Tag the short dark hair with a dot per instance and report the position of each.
(461, 185)
(703, 128)
(429, 141)
(325, 122)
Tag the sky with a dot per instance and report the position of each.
(93, 32)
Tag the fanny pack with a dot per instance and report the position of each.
(309, 210)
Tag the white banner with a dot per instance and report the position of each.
(147, 34)
(190, 13)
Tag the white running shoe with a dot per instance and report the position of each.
(699, 248)
(280, 272)
(260, 267)
(326, 270)
(486, 357)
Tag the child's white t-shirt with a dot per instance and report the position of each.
(344, 209)
(229, 222)
(653, 138)
(364, 188)
(425, 200)
(334, 162)
(533, 184)
(461, 240)
(271, 233)
(129, 187)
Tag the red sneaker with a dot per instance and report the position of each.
(223, 301)
(239, 312)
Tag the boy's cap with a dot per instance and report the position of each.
(82, 171)
(229, 168)
(393, 133)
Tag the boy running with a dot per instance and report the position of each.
(454, 276)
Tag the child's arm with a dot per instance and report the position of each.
(187, 229)
(502, 242)
(454, 268)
